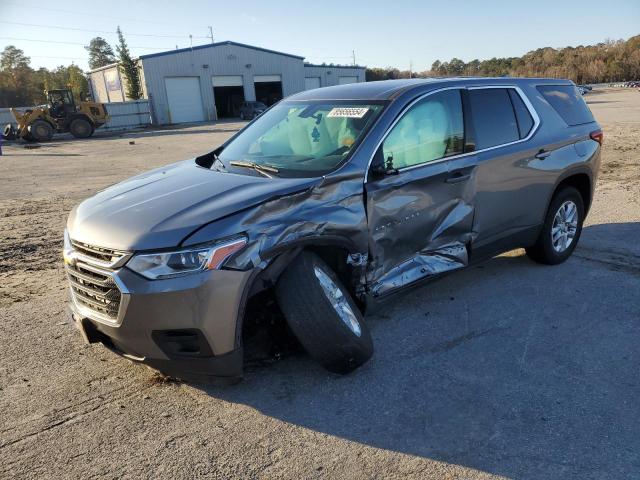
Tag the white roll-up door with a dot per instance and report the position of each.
(184, 99)
(311, 83)
(227, 80)
(347, 79)
(266, 78)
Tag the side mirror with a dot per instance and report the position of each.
(380, 169)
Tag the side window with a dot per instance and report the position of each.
(432, 129)
(567, 101)
(494, 120)
(523, 116)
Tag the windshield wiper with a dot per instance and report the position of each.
(263, 169)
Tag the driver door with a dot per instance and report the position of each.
(420, 195)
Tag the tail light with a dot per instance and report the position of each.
(597, 135)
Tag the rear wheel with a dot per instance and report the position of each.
(41, 131)
(81, 128)
(561, 230)
(322, 315)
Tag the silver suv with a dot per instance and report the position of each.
(333, 199)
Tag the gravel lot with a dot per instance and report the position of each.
(508, 369)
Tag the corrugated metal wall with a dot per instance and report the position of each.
(329, 75)
(218, 60)
(124, 115)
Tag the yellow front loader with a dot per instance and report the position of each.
(61, 115)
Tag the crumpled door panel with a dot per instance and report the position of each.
(424, 264)
(419, 226)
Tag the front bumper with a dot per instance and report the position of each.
(188, 327)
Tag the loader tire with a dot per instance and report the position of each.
(9, 132)
(41, 131)
(81, 128)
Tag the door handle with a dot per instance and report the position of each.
(458, 177)
(542, 154)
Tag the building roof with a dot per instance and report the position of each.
(218, 44)
(315, 65)
(105, 67)
(389, 89)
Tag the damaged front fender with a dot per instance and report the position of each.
(331, 212)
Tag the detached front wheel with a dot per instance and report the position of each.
(322, 315)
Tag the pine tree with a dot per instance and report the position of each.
(129, 68)
(100, 53)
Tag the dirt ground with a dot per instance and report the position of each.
(508, 369)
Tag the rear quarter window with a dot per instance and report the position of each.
(494, 119)
(523, 116)
(568, 103)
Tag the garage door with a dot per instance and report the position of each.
(227, 80)
(185, 99)
(266, 78)
(311, 83)
(345, 80)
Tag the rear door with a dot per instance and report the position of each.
(420, 193)
(503, 121)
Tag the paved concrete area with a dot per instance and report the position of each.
(508, 369)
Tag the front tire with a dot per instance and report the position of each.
(561, 230)
(40, 131)
(322, 315)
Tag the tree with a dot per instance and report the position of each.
(129, 68)
(21, 86)
(16, 88)
(100, 53)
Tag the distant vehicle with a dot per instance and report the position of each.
(582, 90)
(249, 110)
(334, 199)
(60, 115)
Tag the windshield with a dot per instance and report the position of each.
(302, 138)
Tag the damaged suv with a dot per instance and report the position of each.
(334, 199)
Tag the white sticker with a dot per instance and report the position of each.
(348, 112)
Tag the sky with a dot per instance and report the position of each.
(381, 33)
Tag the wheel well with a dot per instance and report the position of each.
(580, 182)
(262, 311)
(82, 116)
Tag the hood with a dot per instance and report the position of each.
(158, 209)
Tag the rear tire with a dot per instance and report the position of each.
(561, 230)
(40, 131)
(81, 128)
(332, 330)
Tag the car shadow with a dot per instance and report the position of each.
(508, 367)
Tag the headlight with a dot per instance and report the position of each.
(179, 262)
(67, 248)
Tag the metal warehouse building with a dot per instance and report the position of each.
(209, 82)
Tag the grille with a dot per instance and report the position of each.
(99, 255)
(95, 289)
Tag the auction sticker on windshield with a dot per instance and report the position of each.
(348, 112)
